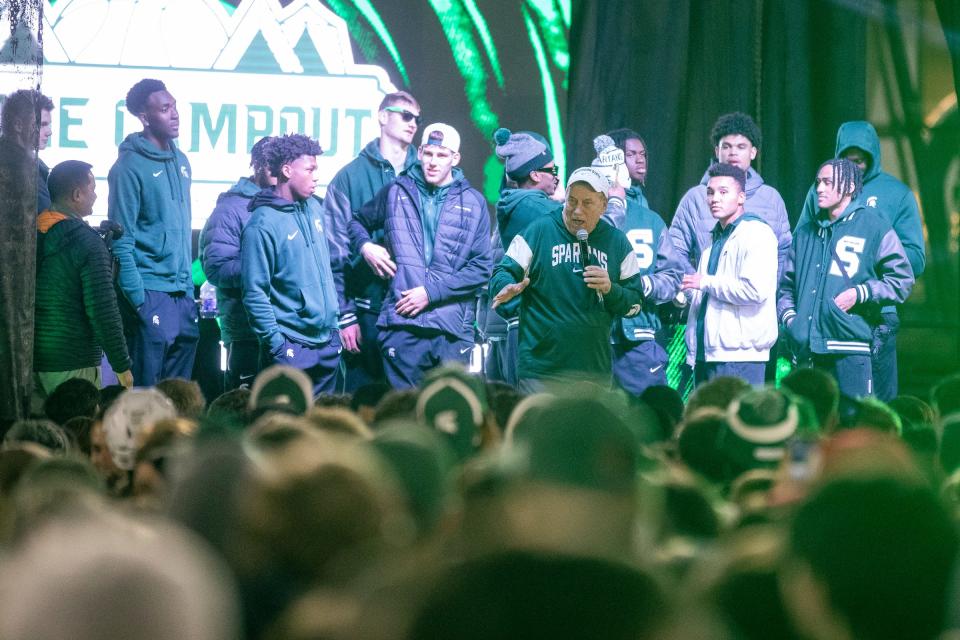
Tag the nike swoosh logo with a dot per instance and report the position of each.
(157, 174)
(655, 369)
(462, 351)
(293, 235)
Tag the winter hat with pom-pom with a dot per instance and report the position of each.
(610, 161)
(522, 152)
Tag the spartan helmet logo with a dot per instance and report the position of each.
(872, 202)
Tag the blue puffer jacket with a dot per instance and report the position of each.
(461, 261)
(220, 255)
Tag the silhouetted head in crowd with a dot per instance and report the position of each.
(397, 404)
(667, 403)
(699, 444)
(109, 577)
(283, 389)
(818, 388)
(945, 397)
(423, 463)
(533, 595)
(185, 395)
(109, 395)
(230, 409)
(53, 487)
(918, 420)
(365, 400)
(744, 590)
(503, 400)
(79, 430)
(42, 432)
(316, 513)
(718, 392)
(454, 403)
(870, 413)
(914, 413)
(333, 400)
(871, 557)
(950, 444)
(72, 398)
(337, 419)
(160, 447)
(761, 422)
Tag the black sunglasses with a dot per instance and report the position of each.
(554, 170)
(406, 115)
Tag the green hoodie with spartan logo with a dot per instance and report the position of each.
(564, 327)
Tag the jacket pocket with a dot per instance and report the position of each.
(844, 325)
(310, 302)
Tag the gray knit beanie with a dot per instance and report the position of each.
(521, 152)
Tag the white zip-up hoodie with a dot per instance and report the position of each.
(740, 324)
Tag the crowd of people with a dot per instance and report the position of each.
(443, 421)
(468, 509)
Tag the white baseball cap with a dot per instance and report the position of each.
(128, 417)
(596, 180)
(441, 135)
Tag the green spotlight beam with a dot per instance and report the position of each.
(456, 25)
(480, 24)
(370, 13)
(555, 32)
(554, 126)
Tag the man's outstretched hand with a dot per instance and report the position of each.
(509, 292)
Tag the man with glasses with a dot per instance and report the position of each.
(530, 180)
(378, 164)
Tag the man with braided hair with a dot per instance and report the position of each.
(844, 264)
(289, 289)
(858, 142)
(220, 255)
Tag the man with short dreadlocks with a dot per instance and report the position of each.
(858, 142)
(845, 262)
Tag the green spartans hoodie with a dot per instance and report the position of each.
(150, 198)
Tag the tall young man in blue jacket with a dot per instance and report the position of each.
(289, 288)
(220, 256)
(858, 142)
(436, 251)
(378, 164)
(736, 139)
(845, 264)
(150, 197)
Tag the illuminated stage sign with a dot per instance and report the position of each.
(264, 70)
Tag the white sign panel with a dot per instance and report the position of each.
(265, 70)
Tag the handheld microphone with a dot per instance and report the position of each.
(585, 254)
